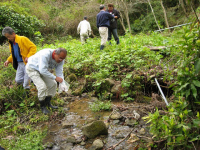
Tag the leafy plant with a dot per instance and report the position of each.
(100, 105)
(177, 127)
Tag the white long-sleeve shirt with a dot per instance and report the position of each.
(42, 61)
(84, 28)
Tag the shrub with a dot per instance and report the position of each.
(22, 24)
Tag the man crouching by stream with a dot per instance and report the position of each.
(38, 67)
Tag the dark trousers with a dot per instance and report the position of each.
(114, 33)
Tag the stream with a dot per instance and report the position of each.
(126, 128)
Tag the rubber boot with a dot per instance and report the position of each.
(117, 42)
(102, 47)
(48, 103)
(43, 107)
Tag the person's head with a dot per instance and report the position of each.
(85, 18)
(102, 7)
(9, 33)
(60, 54)
(110, 6)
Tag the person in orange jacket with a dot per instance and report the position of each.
(21, 48)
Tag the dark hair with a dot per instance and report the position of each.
(101, 7)
(110, 5)
(8, 30)
(59, 50)
(85, 18)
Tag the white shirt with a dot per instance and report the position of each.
(42, 61)
(84, 28)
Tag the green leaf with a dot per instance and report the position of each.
(194, 139)
(31, 104)
(194, 90)
(196, 83)
(187, 93)
(183, 86)
(197, 66)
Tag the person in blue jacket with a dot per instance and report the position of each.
(103, 22)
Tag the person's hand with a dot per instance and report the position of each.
(6, 63)
(115, 17)
(26, 59)
(59, 79)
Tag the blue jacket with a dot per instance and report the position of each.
(103, 19)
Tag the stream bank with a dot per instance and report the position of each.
(126, 130)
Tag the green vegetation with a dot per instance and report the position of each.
(123, 63)
(100, 105)
(131, 64)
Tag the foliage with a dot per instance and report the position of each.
(28, 141)
(188, 79)
(100, 105)
(22, 24)
(176, 127)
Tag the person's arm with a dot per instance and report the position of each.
(117, 15)
(59, 71)
(110, 16)
(78, 28)
(30, 47)
(97, 22)
(43, 67)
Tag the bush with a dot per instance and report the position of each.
(22, 24)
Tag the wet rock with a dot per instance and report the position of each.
(67, 146)
(119, 132)
(109, 82)
(115, 115)
(66, 124)
(55, 147)
(71, 139)
(94, 129)
(70, 120)
(97, 145)
(82, 143)
(93, 99)
(142, 131)
(116, 88)
(115, 121)
(131, 121)
(136, 115)
(78, 148)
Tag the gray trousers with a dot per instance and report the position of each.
(45, 86)
(21, 75)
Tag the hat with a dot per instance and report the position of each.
(101, 7)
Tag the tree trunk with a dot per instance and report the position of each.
(121, 18)
(127, 17)
(181, 2)
(122, 22)
(165, 15)
(153, 14)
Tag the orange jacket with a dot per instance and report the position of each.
(27, 48)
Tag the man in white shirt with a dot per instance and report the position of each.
(84, 29)
(38, 67)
